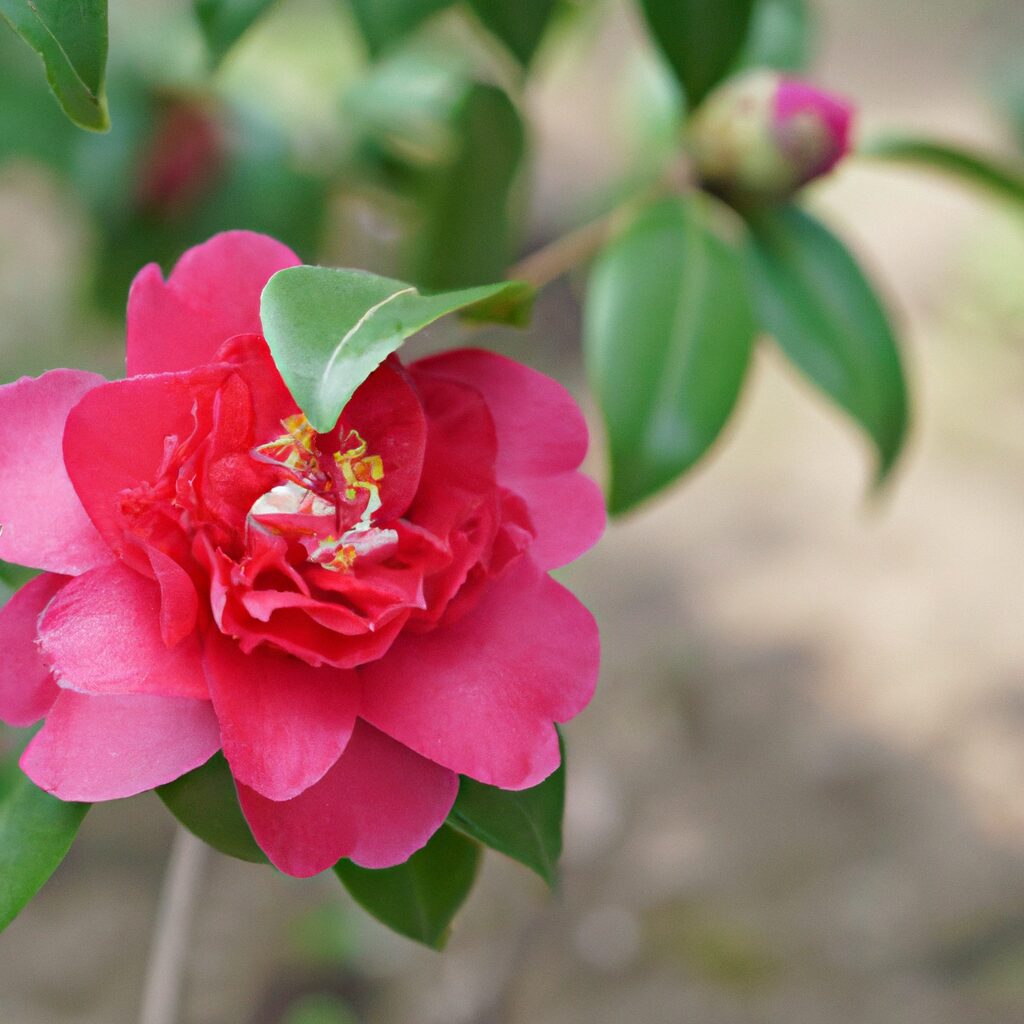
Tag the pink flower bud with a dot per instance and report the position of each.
(762, 136)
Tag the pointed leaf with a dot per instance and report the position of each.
(520, 25)
(996, 177)
(525, 824)
(813, 297)
(668, 332)
(782, 36)
(224, 22)
(36, 831)
(385, 22)
(205, 801)
(329, 329)
(700, 38)
(71, 39)
(419, 898)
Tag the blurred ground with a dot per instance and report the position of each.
(798, 797)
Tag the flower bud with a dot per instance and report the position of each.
(760, 137)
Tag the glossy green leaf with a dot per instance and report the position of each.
(701, 39)
(811, 295)
(385, 22)
(419, 898)
(36, 832)
(71, 39)
(513, 306)
(520, 25)
(668, 331)
(525, 824)
(330, 329)
(782, 36)
(224, 22)
(996, 177)
(205, 801)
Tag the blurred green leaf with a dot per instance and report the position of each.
(453, 148)
(519, 25)
(419, 898)
(782, 36)
(700, 38)
(205, 801)
(330, 329)
(224, 22)
(525, 825)
(813, 297)
(958, 162)
(320, 1009)
(36, 832)
(668, 331)
(385, 22)
(71, 39)
(469, 234)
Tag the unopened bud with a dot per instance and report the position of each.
(760, 137)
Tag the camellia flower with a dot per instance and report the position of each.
(761, 136)
(355, 618)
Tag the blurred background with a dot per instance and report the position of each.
(799, 795)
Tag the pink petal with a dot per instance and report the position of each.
(103, 748)
(115, 439)
(179, 602)
(101, 635)
(284, 723)
(212, 294)
(542, 439)
(378, 804)
(26, 687)
(480, 695)
(43, 522)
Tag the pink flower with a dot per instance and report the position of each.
(355, 618)
(761, 136)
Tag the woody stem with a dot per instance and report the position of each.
(161, 995)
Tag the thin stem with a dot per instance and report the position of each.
(556, 258)
(161, 995)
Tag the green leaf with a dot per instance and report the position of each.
(205, 801)
(525, 825)
(520, 25)
(782, 36)
(385, 22)
(513, 306)
(469, 234)
(700, 38)
(419, 898)
(328, 330)
(668, 331)
(452, 149)
(993, 176)
(224, 22)
(71, 39)
(36, 832)
(813, 297)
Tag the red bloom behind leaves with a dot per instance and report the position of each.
(355, 618)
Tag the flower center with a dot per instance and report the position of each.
(329, 504)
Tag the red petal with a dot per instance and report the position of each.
(378, 805)
(115, 439)
(103, 748)
(542, 439)
(26, 687)
(212, 294)
(283, 722)
(42, 522)
(480, 695)
(101, 635)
